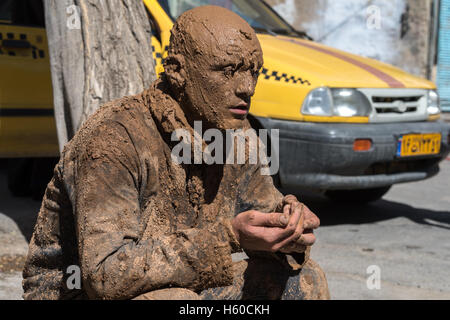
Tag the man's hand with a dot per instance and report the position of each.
(307, 237)
(286, 231)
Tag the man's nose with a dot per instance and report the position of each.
(246, 85)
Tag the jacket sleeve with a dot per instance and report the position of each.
(259, 193)
(115, 262)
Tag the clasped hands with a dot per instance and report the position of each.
(288, 231)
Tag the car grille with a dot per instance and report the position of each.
(397, 105)
(393, 99)
(395, 110)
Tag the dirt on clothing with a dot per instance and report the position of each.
(141, 222)
(133, 219)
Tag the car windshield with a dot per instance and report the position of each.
(257, 14)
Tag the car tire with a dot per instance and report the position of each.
(28, 177)
(19, 176)
(42, 173)
(256, 125)
(357, 196)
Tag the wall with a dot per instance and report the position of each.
(400, 36)
(444, 55)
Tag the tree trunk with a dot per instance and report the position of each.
(100, 50)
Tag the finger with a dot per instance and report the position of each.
(311, 223)
(311, 220)
(286, 242)
(296, 213)
(293, 247)
(287, 209)
(297, 231)
(289, 199)
(275, 235)
(307, 239)
(274, 219)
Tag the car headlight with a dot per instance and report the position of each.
(337, 102)
(318, 103)
(350, 103)
(433, 103)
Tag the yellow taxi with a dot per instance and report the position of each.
(27, 125)
(348, 126)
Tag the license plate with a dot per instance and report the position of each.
(419, 144)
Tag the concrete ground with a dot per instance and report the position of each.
(406, 235)
(17, 217)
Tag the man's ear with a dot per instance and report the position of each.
(175, 70)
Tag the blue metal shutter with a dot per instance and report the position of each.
(443, 76)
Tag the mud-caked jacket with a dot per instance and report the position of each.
(131, 219)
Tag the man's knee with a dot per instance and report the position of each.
(313, 282)
(309, 283)
(169, 294)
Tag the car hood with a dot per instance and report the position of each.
(325, 66)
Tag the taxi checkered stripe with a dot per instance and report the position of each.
(282, 77)
(264, 72)
(37, 53)
(158, 55)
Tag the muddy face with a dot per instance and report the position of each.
(214, 60)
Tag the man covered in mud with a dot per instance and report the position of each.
(139, 225)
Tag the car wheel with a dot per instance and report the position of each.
(256, 125)
(19, 176)
(30, 176)
(357, 196)
(42, 173)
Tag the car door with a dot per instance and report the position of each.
(27, 124)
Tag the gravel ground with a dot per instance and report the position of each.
(406, 235)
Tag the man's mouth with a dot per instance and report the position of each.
(240, 109)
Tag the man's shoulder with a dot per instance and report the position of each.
(118, 121)
(129, 111)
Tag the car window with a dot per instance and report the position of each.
(255, 12)
(22, 12)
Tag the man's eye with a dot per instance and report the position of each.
(229, 71)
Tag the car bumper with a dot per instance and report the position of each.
(321, 155)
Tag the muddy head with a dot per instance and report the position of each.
(212, 66)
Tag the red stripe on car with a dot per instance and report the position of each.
(392, 82)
